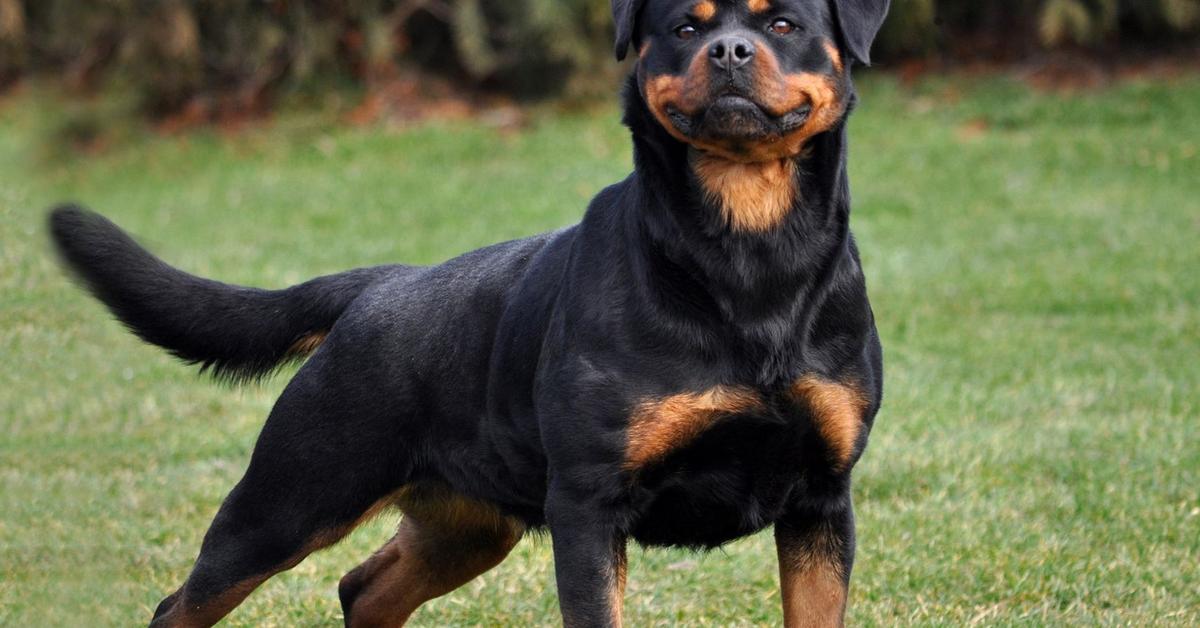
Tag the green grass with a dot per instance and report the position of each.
(1033, 265)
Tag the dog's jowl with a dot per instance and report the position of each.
(694, 362)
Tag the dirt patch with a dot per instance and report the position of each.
(414, 98)
(1065, 70)
(402, 100)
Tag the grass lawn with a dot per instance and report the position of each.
(1033, 262)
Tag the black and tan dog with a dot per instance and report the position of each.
(694, 362)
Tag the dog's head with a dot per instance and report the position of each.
(747, 80)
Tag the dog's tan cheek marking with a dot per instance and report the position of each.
(837, 411)
(766, 72)
(759, 6)
(817, 89)
(827, 106)
(686, 93)
(705, 10)
(753, 197)
(662, 91)
(835, 57)
(782, 93)
(659, 426)
(812, 582)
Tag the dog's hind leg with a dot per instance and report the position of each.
(323, 463)
(444, 541)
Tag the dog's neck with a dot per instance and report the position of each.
(747, 247)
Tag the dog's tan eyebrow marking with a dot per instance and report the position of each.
(705, 10)
(759, 6)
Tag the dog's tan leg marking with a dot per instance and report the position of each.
(812, 582)
(837, 411)
(618, 593)
(443, 542)
(186, 613)
(660, 426)
(753, 197)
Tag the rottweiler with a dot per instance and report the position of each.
(692, 363)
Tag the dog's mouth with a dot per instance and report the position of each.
(733, 117)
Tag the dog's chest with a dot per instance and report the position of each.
(716, 465)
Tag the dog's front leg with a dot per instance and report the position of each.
(816, 553)
(589, 564)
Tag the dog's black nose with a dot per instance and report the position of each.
(729, 53)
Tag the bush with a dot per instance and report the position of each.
(238, 54)
(12, 40)
(1009, 28)
(235, 54)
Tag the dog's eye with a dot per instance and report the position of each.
(685, 32)
(782, 27)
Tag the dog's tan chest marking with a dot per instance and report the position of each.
(837, 411)
(659, 426)
(753, 197)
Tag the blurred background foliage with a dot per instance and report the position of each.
(217, 56)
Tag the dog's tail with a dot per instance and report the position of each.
(237, 334)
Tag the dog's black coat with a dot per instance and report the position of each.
(509, 374)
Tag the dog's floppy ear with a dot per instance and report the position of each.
(859, 21)
(625, 17)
